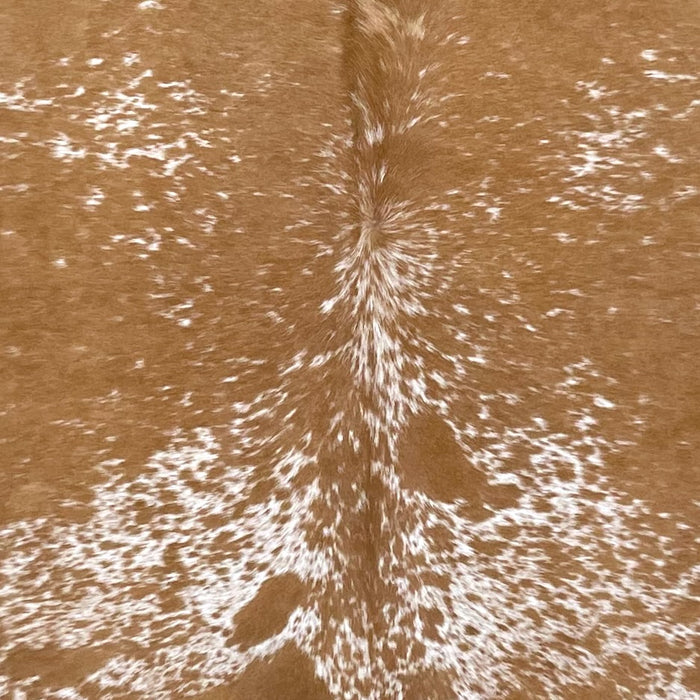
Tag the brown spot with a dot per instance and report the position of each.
(431, 461)
(503, 496)
(429, 684)
(441, 536)
(441, 581)
(432, 619)
(262, 489)
(591, 643)
(30, 500)
(56, 666)
(582, 692)
(171, 602)
(691, 678)
(288, 675)
(267, 613)
(489, 547)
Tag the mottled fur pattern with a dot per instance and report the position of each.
(387, 512)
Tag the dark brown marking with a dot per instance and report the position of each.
(268, 612)
(431, 461)
(57, 666)
(288, 675)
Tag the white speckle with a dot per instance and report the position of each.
(95, 199)
(685, 192)
(585, 423)
(150, 5)
(93, 62)
(494, 212)
(172, 165)
(564, 237)
(64, 150)
(185, 322)
(554, 312)
(327, 305)
(663, 152)
(140, 363)
(318, 360)
(222, 195)
(602, 402)
(127, 125)
(649, 54)
(60, 262)
(670, 77)
(374, 134)
(130, 58)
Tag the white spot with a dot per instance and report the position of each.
(60, 263)
(554, 312)
(602, 402)
(663, 152)
(494, 212)
(127, 125)
(93, 62)
(64, 150)
(670, 77)
(95, 199)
